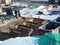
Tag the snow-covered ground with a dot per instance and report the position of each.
(20, 41)
(26, 12)
(47, 17)
(19, 4)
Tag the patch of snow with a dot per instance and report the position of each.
(19, 4)
(28, 11)
(47, 17)
(34, 11)
(1, 42)
(21, 41)
(40, 7)
(56, 9)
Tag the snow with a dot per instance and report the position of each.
(47, 17)
(21, 41)
(16, 4)
(56, 9)
(40, 7)
(26, 11)
(19, 4)
(1, 42)
(32, 11)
